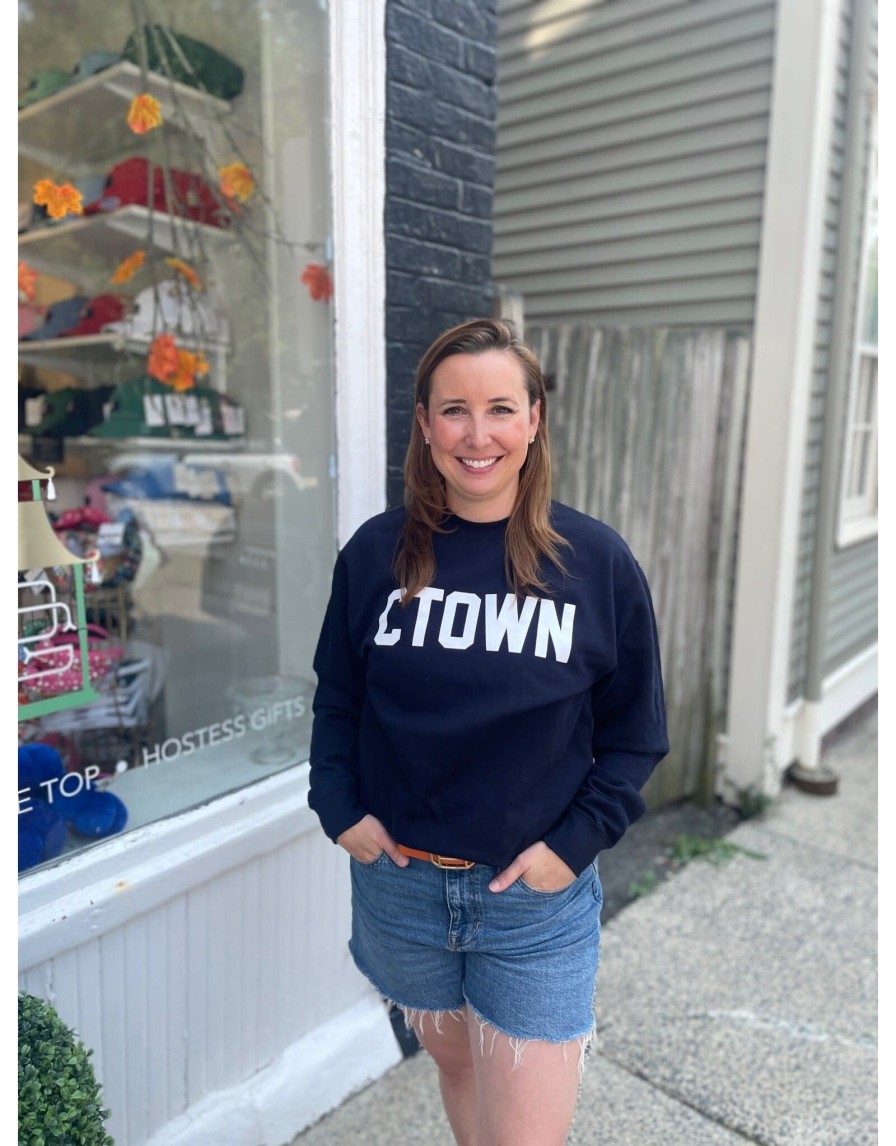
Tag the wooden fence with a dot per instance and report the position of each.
(646, 428)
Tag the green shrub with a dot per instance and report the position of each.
(59, 1097)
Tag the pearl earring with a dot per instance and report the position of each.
(531, 440)
(426, 441)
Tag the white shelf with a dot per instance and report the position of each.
(89, 247)
(164, 445)
(102, 101)
(105, 349)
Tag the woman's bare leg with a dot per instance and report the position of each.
(443, 1034)
(527, 1088)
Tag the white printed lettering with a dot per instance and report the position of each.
(510, 623)
(384, 636)
(549, 628)
(426, 598)
(446, 638)
(71, 783)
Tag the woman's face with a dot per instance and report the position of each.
(479, 423)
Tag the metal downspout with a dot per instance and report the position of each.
(838, 380)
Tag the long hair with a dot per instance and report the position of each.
(529, 537)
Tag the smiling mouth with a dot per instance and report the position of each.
(478, 464)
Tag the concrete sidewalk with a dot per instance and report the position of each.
(736, 1003)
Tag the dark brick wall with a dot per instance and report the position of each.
(440, 173)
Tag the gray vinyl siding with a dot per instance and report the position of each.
(799, 643)
(631, 152)
(851, 620)
(852, 609)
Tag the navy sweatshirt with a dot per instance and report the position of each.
(472, 723)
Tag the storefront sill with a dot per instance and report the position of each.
(308, 1080)
(99, 889)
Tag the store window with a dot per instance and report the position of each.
(858, 500)
(176, 378)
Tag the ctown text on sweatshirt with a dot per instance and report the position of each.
(473, 723)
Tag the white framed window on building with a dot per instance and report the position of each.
(176, 371)
(858, 491)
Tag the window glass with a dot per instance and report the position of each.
(176, 373)
(858, 509)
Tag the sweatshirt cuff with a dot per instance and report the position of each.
(576, 840)
(337, 811)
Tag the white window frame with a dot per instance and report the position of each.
(858, 516)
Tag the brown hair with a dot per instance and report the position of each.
(529, 536)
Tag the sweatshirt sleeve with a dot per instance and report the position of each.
(629, 737)
(333, 792)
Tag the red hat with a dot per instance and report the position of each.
(128, 182)
(101, 309)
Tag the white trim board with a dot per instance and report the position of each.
(100, 888)
(358, 160)
(792, 239)
(310, 1078)
(842, 693)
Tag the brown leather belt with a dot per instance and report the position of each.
(439, 861)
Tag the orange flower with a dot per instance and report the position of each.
(128, 267)
(144, 114)
(59, 199)
(187, 271)
(162, 361)
(235, 181)
(189, 365)
(318, 281)
(27, 281)
(183, 378)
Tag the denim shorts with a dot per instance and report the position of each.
(433, 939)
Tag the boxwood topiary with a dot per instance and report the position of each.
(59, 1097)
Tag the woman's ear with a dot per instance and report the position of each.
(534, 416)
(422, 419)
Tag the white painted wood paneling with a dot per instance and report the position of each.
(208, 987)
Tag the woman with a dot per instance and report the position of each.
(489, 705)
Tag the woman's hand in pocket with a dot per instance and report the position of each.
(539, 867)
(367, 839)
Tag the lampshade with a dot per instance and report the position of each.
(39, 547)
(29, 473)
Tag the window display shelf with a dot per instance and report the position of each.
(75, 354)
(84, 249)
(102, 101)
(164, 445)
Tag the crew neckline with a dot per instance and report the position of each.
(456, 519)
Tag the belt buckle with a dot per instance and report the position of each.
(448, 862)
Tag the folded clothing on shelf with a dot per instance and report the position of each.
(30, 408)
(173, 307)
(92, 62)
(66, 413)
(60, 317)
(145, 407)
(47, 81)
(186, 60)
(114, 543)
(42, 83)
(165, 477)
(186, 194)
(96, 312)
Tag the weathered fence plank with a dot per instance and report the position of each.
(646, 427)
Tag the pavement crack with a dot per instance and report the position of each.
(678, 1098)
